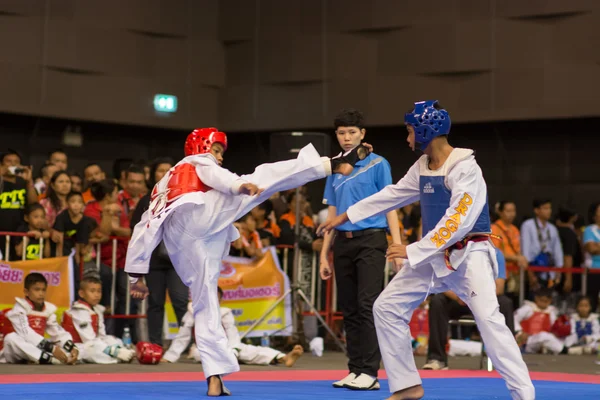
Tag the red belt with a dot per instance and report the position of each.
(461, 244)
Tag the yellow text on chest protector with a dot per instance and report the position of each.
(444, 233)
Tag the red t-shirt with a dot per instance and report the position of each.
(94, 210)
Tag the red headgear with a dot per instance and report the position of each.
(148, 353)
(200, 140)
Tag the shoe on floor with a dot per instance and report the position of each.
(435, 365)
(363, 382)
(340, 384)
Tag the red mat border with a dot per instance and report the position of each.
(288, 375)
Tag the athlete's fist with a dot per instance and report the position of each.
(250, 189)
(60, 355)
(139, 290)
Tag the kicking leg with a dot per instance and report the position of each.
(474, 284)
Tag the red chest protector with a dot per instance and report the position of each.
(69, 326)
(183, 180)
(419, 323)
(538, 322)
(36, 321)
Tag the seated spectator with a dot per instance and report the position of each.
(533, 324)
(541, 246)
(92, 173)
(585, 329)
(509, 245)
(249, 243)
(29, 321)
(591, 243)
(85, 322)
(266, 227)
(447, 305)
(42, 183)
(35, 226)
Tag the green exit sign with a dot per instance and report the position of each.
(165, 103)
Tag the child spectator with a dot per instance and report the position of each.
(28, 321)
(85, 322)
(267, 229)
(249, 243)
(35, 226)
(533, 324)
(585, 329)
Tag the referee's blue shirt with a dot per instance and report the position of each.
(369, 176)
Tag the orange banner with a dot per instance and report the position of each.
(58, 272)
(250, 287)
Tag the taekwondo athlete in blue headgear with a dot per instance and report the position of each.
(455, 254)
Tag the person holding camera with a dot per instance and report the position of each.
(16, 191)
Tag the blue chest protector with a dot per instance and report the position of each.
(583, 328)
(435, 200)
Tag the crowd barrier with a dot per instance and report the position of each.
(114, 240)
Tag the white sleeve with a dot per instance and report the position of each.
(182, 340)
(391, 197)
(101, 326)
(219, 178)
(233, 336)
(596, 328)
(57, 332)
(20, 323)
(553, 315)
(521, 314)
(469, 195)
(82, 320)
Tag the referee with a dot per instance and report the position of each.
(358, 252)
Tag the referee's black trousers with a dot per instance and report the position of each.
(359, 265)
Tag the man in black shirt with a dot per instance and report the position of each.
(573, 257)
(16, 191)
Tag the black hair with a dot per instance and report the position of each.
(120, 165)
(502, 204)
(582, 298)
(220, 291)
(102, 188)
(73, 194)
(544, 292)
(44, 169)
(349, 117)
(33, 207)
(33, 278)
(51, 193)
(57, 150)
(154, 166)
(565, 214)
(537, 203)
(89, 280)
(135, 169)
(10, 152)
(592, 212)
(267, 206)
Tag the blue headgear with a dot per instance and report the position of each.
(428, 122)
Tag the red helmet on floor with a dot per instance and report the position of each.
(562, 326)
(148, 353)
(200, 141)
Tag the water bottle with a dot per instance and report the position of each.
(127, 337)
(264, 341)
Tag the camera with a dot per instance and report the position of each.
(16, 170)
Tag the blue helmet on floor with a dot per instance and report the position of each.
(428, 120)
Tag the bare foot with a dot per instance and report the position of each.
(290, 358)
(216, 388)
(411, 393)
